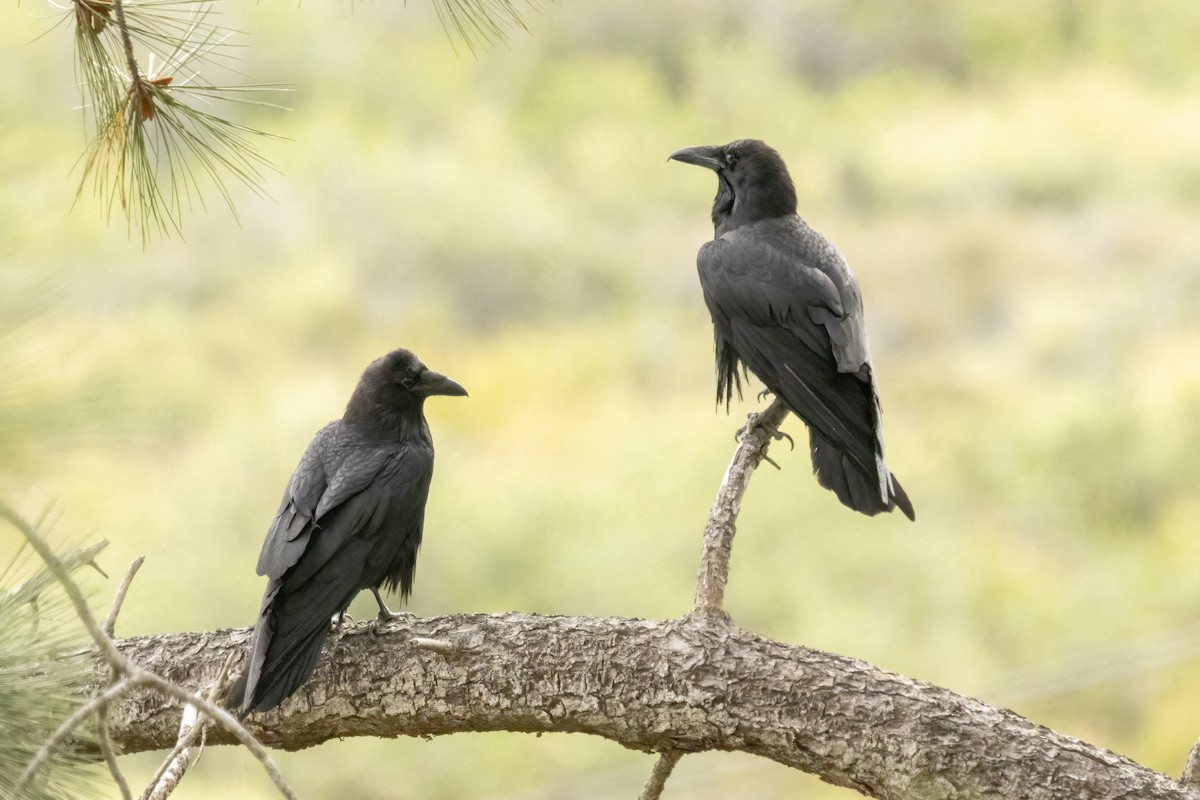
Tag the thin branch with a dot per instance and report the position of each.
(176, 763)
(243, 736)
(110, 756)
(191, 724)
(110, 623)
(135, 74)
(658, 776)
(722, 519)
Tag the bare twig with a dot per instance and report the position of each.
(191, 724)
(110, 757)
(243, 736)
(110, 623)
(658, 776)
(176, 763)
(443, 646)
(722, 519)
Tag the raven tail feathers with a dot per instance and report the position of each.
(843, 476)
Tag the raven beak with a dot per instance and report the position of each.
(432, 383)
(706, 156)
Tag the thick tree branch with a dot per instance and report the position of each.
(681, 685)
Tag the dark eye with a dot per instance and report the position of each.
(406, 379)
(730, 159)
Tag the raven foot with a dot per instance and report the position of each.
(385, 615)
(763, 394)
(336, 621)
(775, 434)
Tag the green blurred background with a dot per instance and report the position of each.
(1016, 185)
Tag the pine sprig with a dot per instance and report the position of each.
(482, 22)
(43, 671)
(152, 151)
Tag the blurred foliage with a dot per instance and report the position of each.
(1017, 186)
(43, 673)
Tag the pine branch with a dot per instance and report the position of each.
(153, 151)
(685, 685)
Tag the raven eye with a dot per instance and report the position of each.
(730, 159)
(407, 380)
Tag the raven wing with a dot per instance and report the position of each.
(324, 479)
(785, 304)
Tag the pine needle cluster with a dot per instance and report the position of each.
(155, 141)
(44, 667)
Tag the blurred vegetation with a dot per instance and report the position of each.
(43, 673)
(1016, 185)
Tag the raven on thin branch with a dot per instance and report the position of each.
(786, 305)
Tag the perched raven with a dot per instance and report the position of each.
(785, 304)
(351, 519)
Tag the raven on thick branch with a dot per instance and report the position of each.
(351, 519)
(785, 304)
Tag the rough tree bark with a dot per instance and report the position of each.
(690, 685)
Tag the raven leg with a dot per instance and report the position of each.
(385, 613)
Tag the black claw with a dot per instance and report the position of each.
(763, 394)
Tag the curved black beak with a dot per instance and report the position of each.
(704, 156)
(432, 383)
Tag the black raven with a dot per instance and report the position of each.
(785, 304)
(351, 519)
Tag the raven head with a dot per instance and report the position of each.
(400, 368)
(391, 394)
(753, 181)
